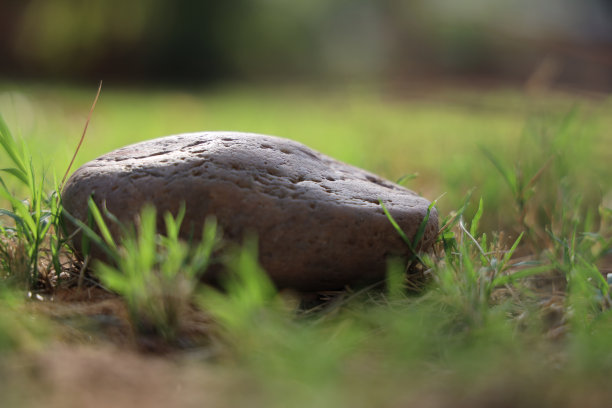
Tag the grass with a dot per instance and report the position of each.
(32, 218)
(513, 306)
(158, 274)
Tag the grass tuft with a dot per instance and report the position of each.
(157, 274)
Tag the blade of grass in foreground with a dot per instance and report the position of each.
(91, 235)
(104, 231)
(414, 244)
(9, 145)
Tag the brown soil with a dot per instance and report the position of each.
(96, 361)
(105, 376)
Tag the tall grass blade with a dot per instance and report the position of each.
(91, 235)
(507, 174)
(406, 178)
(396, 226)
(476, 219)
(17, 174)
(450, 221)
(82, 137)
(97, 216)
(422, 226)
(510, 252)
(10, 147)
(513, 277)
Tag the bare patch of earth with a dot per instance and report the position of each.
(105, 376)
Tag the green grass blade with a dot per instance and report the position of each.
(450, 221)
(21, 210)
(510, 252)
(203, 252)
(395, 225)
(92, 235)
(521, 274)
(401, 233)
(173, 224)
(104, 231)
(421, 230)
(507, 174)
(17, 174)
(476, 219)
(406, 178)
(10, 147)
(17, 219)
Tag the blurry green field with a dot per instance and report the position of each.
(436, 134)
(469, 339)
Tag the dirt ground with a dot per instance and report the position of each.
(85, 376)
(94, 361)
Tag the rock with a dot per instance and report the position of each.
(319, 221)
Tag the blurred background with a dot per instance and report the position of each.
(536, 43)
(401, 88)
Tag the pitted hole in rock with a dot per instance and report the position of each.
(261, 180)
(310, 154)
(155, 173)
(297, 179)
(379, 181)
(153, 154)
(196, 172)
(285, 150)
(244, 182)
(136, 176)
(119, 158)
(197, 163)
(266, 146)
(275, 172)
(193, 144)
(279, 193)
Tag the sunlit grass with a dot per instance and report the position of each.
(515, 296)
(438, 136)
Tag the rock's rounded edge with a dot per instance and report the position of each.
(317, 271)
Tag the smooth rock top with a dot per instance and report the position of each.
(319, 221)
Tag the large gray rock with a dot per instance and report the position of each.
(319, 221)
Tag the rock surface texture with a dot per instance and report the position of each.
(319, 221)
